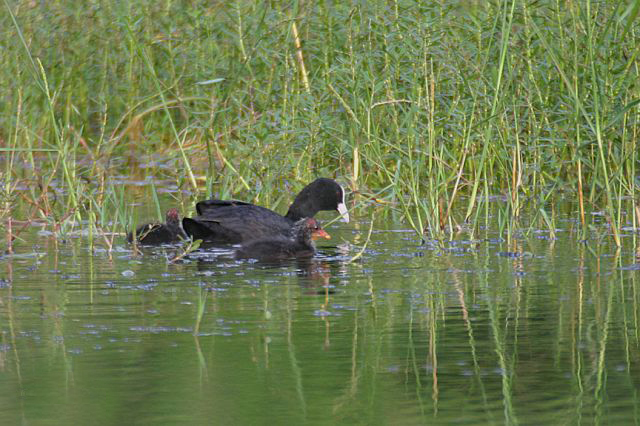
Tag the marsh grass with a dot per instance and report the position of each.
(446, 104)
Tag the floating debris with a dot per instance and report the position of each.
(515, 254)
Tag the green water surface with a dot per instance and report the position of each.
(539, 330)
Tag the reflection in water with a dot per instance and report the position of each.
(530, 330)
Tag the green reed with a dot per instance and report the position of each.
(445, 103)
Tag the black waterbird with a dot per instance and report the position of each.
(160, 233)
(233, 222)
(299, 244)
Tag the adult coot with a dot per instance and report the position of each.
(298, 244)
(233, 222)
(160, 233)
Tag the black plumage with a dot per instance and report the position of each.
(160, 233)
(298, 244)
(233, 222)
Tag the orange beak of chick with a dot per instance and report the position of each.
(320, 233)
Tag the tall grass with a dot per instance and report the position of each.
(445, 103)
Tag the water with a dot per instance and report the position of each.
(540, 331)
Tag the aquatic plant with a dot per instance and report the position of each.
(445, 104)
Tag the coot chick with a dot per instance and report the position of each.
(299, 244)
(160, 233)
(233, 222)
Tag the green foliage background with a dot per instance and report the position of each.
(437, 104)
